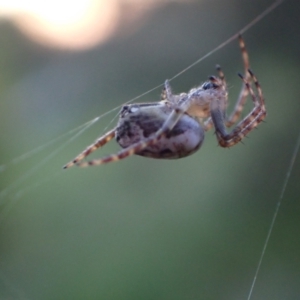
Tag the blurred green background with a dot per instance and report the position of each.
(192, 228)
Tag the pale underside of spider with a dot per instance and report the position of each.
(174, 127)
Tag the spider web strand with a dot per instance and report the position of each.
(233, 37)
(283, 189)
(5, 192)
(40, 148)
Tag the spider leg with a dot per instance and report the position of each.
(168, 125)
(97, 144)
(235, 115)
(221, 75)
(256, 116)
(208, 124)
(121, 154)
(166, 91)
(167, 95)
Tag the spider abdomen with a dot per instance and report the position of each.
(138, 123)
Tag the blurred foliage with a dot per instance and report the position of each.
(141, 228)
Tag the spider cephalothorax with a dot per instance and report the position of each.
(174, 127)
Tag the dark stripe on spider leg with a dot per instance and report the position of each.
(98, 143)
(97, 162)
(116, 157)
(235, 115)
(221, 74)
(258, 87)
(126, 152)
(256, 116)
(245, 55)
(244, 91)
(243, 128)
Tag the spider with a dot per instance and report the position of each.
(174, 127)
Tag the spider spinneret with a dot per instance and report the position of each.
(174, 127)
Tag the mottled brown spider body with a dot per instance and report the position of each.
(174, 127)
(138, 122)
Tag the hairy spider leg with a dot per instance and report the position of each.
(221, 75)
(167, 95)
(168, 91)
(163, 95)
(208, 123)
(96, 145)
(235, 115)
(256, 116)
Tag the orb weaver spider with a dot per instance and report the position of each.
(174, 127)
